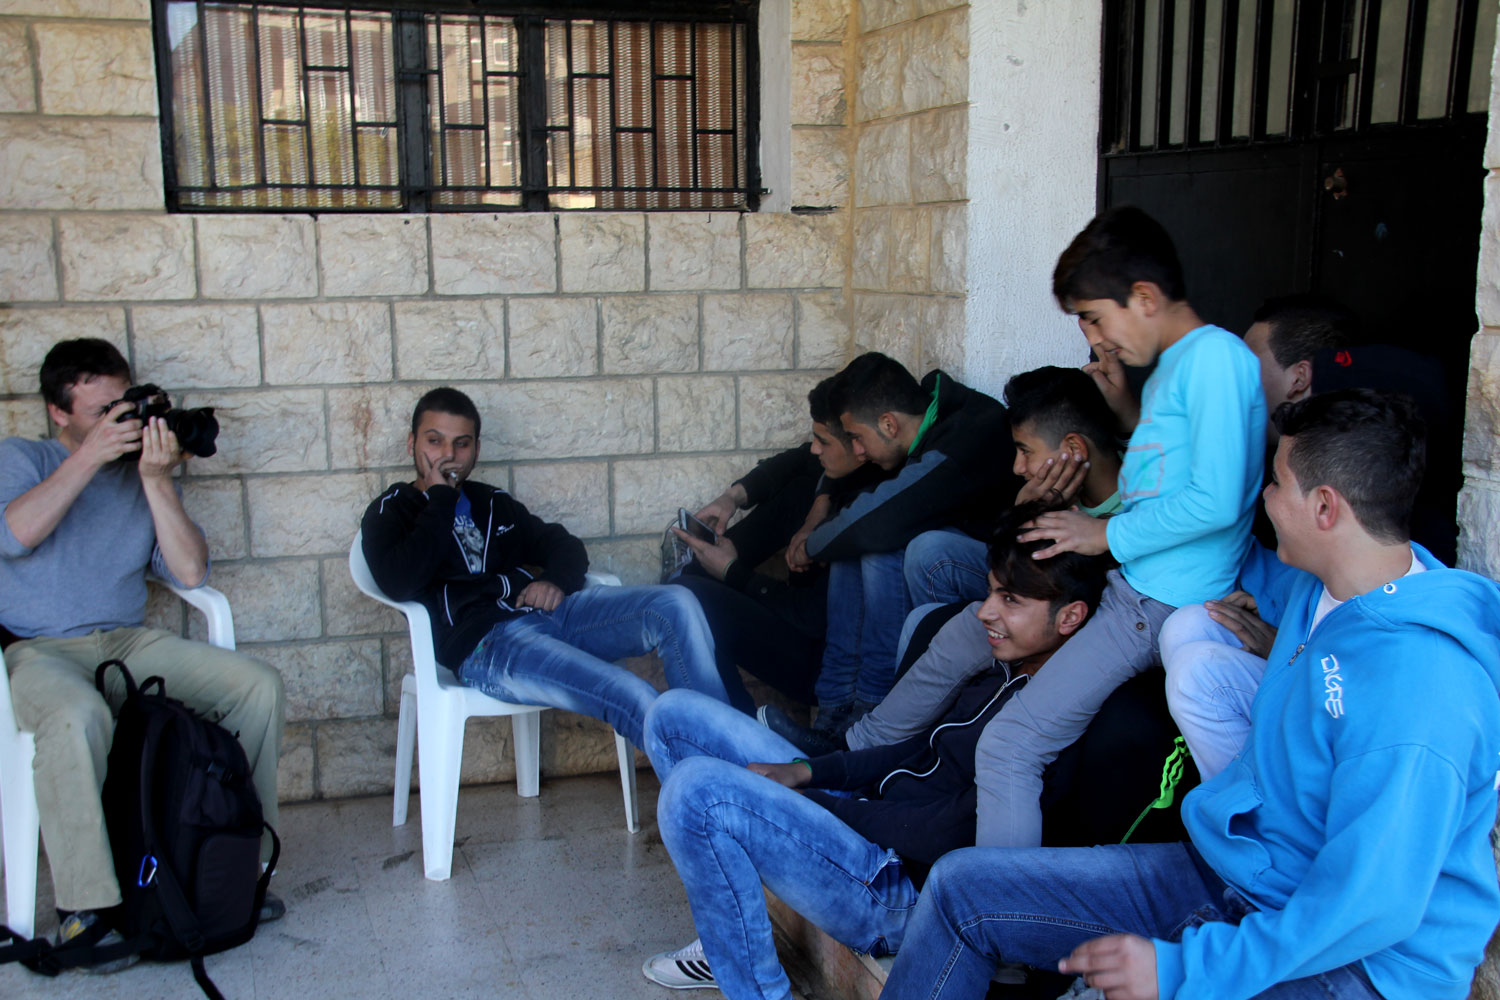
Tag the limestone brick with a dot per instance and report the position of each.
(942, 335)
(636, 561)
(346, 611)
(911, 249)
(890, 324)
(264, 431)
(819, 20)
(257, 256)
(882, 164)
(820, 167)
(23, 418)
(17, 82)
(137, 10)
(164, 610)
(558, 419)
(650, 333)
(328, 680)
(794, 251)
(818, 85)
(573, 494)
(576, 744)
(935, 72)
(192, 346)
(939, 155)
(272, 602)
(373, 254)
(327, 342)
(438, 339)
(218, 506)
(881, 13)
(80, 165)
(773, 410)
(487, 751)
(95, 69)
(294, 772)
(872, 248)
(355, 757)
(1489, 253)
(1482, 421)
(475, 254)
(693, 250)
(822, 330)
(747, 332)
(307, 515)
(126, 256)
(950, 248)
(1478, 542)
(878, 75)
(26, 335)
(28, 264)
(603, 252)
(649, 491)
(554, 336)
(398, 664)
(695, 413)
(368, 426)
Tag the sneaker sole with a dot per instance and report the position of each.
(695, 975)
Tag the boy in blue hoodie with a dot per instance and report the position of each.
(1188, 485)
(1345, 852)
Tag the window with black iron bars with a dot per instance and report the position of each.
(458, 107)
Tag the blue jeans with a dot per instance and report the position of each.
(729, 831)
(560, 658)
(946, 567)
(983, 905)
(866, 607)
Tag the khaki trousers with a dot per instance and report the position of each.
(52, 685)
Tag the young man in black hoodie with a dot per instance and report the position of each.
(463, 549)
(844, 838)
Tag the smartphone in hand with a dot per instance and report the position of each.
(687, 522)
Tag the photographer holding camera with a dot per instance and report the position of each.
(83, 518)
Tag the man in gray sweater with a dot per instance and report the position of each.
(83, 517)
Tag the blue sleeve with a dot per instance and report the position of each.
(1226, 415)
(1402, 802)
(885, 518)
(1270, 581)
(18, 473)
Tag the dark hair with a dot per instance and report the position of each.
(1122, 245)
(445, 399)
(1369, 444)
(1059, 580)
(73, 361)
(820, 404)
(873, 384)
(1059, 401)
(1303, 325)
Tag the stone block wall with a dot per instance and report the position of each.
(625, 363)
(911, 80)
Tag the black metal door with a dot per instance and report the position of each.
(1291, 145)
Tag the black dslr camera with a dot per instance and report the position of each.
(195, 429)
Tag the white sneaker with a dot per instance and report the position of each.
(683, 969)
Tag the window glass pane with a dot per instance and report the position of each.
(1437, 58)
(1390, 48)
(1279, 77)
(1146, 103)
(1181, 42)
(1484, 48)
(1213, 40)
(1244, 69)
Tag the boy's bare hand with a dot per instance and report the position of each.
(541, 595)
(1060, 481)
(1109, 375)
(714, 558)
(1239, 613)
(790, 775)
(796, 552)
(1122, 965)
(717, 512)
(1069, 531)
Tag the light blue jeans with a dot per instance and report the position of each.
(730, 831)
(946, 567)
(984, 905)
(866, 607)
(561, 658)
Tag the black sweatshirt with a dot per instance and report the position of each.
(414, 554)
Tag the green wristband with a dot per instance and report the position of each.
(803, 761)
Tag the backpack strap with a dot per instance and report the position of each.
(200, 976)
(45, 958)
(130, 688)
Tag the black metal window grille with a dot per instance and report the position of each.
(431, 108)
(1183, 74)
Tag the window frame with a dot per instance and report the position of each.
(416, 180)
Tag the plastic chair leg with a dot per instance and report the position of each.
(626, 753)
(21, 828)
(526, 740)
(440, 741)
(406, 732)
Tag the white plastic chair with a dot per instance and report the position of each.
(434, 706)
(18, 813)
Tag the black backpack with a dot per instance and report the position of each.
(185, 826)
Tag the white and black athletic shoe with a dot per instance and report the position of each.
(683, 969)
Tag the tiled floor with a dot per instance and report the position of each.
(550, 898)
